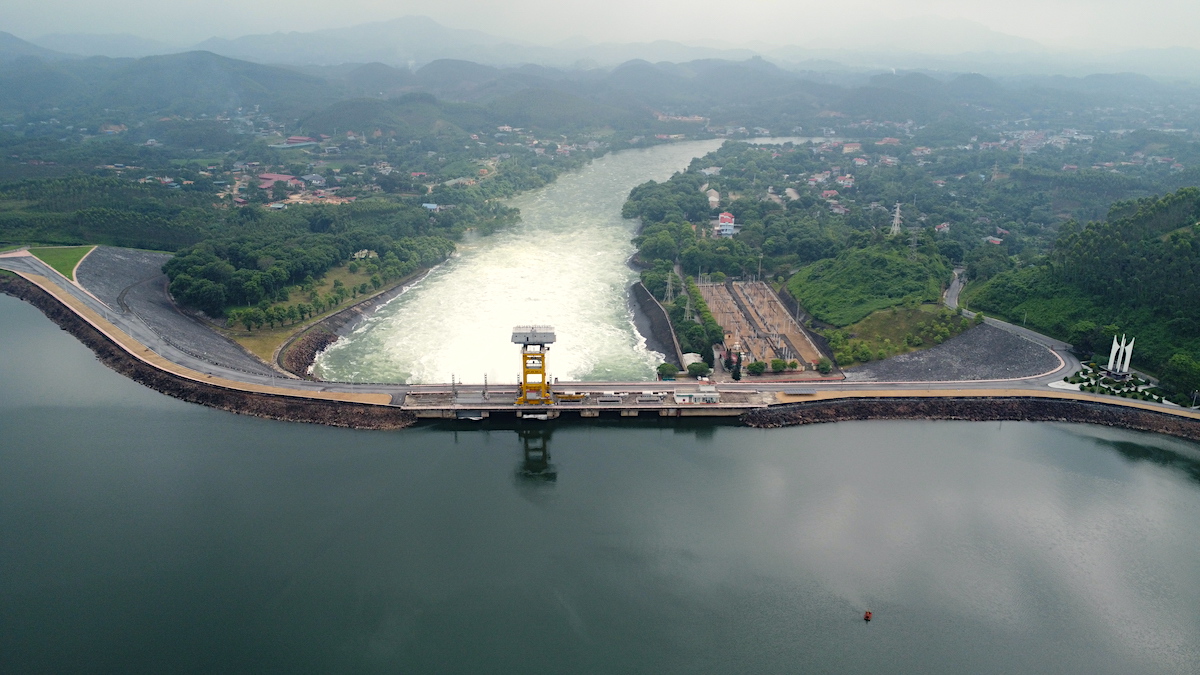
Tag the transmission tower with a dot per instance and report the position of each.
(896, 221)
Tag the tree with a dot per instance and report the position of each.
(778, 365)
(756, 368)
(1182, 373)
(978, 318)
(698, 369)
(824, 366)
(667, 370)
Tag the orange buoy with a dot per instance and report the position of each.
(867, 616)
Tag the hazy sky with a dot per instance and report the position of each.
(1090, 24)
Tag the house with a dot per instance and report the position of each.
(314, 179)
(714, 198)
(993, 240)
(838, 209)
(829, 194)
(1002, 231)
(860, 161)
(431, 207)
(888, 161)
(921, 151)
(851, 148)
(268, 180)
(711, 171)
(943, 228)
(888, 141)
(294, 140)
(726, 227)
(846, 181)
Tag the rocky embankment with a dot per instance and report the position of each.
(973, 409)
(288, 408)
(298, 354)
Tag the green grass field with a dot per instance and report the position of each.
(62, 258)
(898, 330)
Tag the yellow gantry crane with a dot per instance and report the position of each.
(535, 341)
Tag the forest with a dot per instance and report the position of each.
(1136, 272)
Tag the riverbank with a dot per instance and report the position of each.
(299, 351)
(269, 406)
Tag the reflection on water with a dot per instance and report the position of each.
(535, 465)
(139, 533)
(1173, 458)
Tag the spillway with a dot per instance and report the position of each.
(564, 264)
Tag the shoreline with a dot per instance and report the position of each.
(350, 414)
(299, 353)
(973, 409)
(345, 414)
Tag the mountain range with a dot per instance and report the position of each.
(920, 43)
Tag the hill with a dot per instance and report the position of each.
(412, 116)
(846, 289)
(204, 82)
(549, 109)
(13, 47)
(1137, 272)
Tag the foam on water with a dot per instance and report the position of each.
(564, 264)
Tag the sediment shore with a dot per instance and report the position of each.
(287, 408)
(973, 409)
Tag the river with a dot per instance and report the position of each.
(139, 533)
(564, 265)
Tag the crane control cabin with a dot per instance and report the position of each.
(535, 341)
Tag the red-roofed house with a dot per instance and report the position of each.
(269, 180)
(829, 194)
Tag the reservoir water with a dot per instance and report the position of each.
(564, 265)
(140, 534)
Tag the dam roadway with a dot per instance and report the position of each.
(136, 337)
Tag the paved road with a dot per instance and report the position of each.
(132, 325)
(956, 287)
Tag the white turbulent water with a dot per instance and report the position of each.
(564, 264)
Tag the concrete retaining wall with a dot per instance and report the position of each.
(659, 323)
(287, 408)
(973, 409)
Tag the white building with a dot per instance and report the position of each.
(705, 393)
